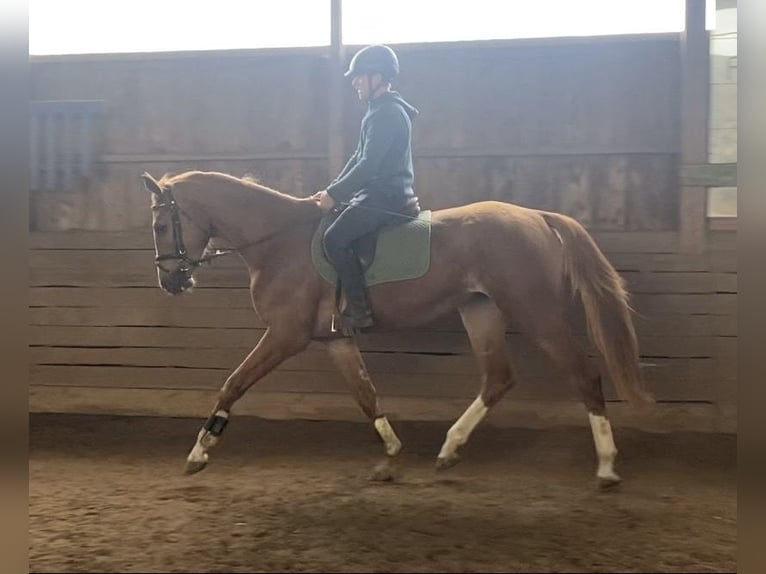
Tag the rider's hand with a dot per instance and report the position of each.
(325, 200)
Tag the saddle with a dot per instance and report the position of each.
(395, 252)
(364, 248)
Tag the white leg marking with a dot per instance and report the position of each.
(205, 441)
(605, 449)
(459, 432)
(198, 453)
(386, 432)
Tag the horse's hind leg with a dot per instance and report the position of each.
(348, 359)
(555, 338)
(486, 330)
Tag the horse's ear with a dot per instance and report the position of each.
(151, 184)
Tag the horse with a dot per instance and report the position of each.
(492, 262)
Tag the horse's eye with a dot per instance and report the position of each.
(160, 228)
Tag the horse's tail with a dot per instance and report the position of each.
(607, 307)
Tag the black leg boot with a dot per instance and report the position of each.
(357, 314)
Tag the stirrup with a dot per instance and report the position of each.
(340, 323)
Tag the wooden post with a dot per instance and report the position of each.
(695, 97)
(335, 123)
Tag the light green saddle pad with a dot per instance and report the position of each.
(403, 252)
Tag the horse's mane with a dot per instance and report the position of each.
(248, 181)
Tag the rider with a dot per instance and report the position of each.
(375, 188)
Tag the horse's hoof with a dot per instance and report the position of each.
(445, 462)
(194, 466)
(608, 482)
(383, 472)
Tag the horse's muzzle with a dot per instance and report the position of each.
(176, 282)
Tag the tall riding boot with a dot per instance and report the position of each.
(357, 314)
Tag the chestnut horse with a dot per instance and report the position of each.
(493, 262)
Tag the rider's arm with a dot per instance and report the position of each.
(349, 164)
(383, 129)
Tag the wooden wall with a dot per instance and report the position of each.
(590, 129)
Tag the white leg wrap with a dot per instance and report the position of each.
(386, 432)
(605, 449)
(459, 432)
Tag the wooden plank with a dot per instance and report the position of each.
(654, 319)
(690, 325)
(669, 282)
(141, 241)
(408, 341)
(169, 316)
(726, 241)
(527, 363)
(716, 224)
(98, 269)
(686, 304)
(725, 326)
(693, 210)
(95, 249)
(140, 297)
(724, 304)
(722, 261)
(89, 240)
(445, 342)
(680, 282)
(101, 263)
(292, 381)
(658, 262)
(726, 282)
(667, 417)
(313, 360)
(672, 380)
(199, 338)
(126, 269)
(636, 241)
(648, 304)
(695, 317)
(726, 355)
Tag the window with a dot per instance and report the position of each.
(112, 26)
(405, 21)
(722, 201)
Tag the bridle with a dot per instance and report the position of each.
(185, 263)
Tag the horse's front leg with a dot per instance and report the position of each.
(348, 359)
(273, 348)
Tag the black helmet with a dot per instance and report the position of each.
(374, 59)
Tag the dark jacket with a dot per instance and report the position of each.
(380, 170)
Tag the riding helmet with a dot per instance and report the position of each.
(374, 59)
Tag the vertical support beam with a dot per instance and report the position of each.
(34, 149)
(335, 70)
(51, 124)
(695, 97)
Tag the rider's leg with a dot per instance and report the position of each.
(350, 225)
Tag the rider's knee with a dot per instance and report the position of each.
(333, 246)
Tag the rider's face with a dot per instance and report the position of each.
(365, 85)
